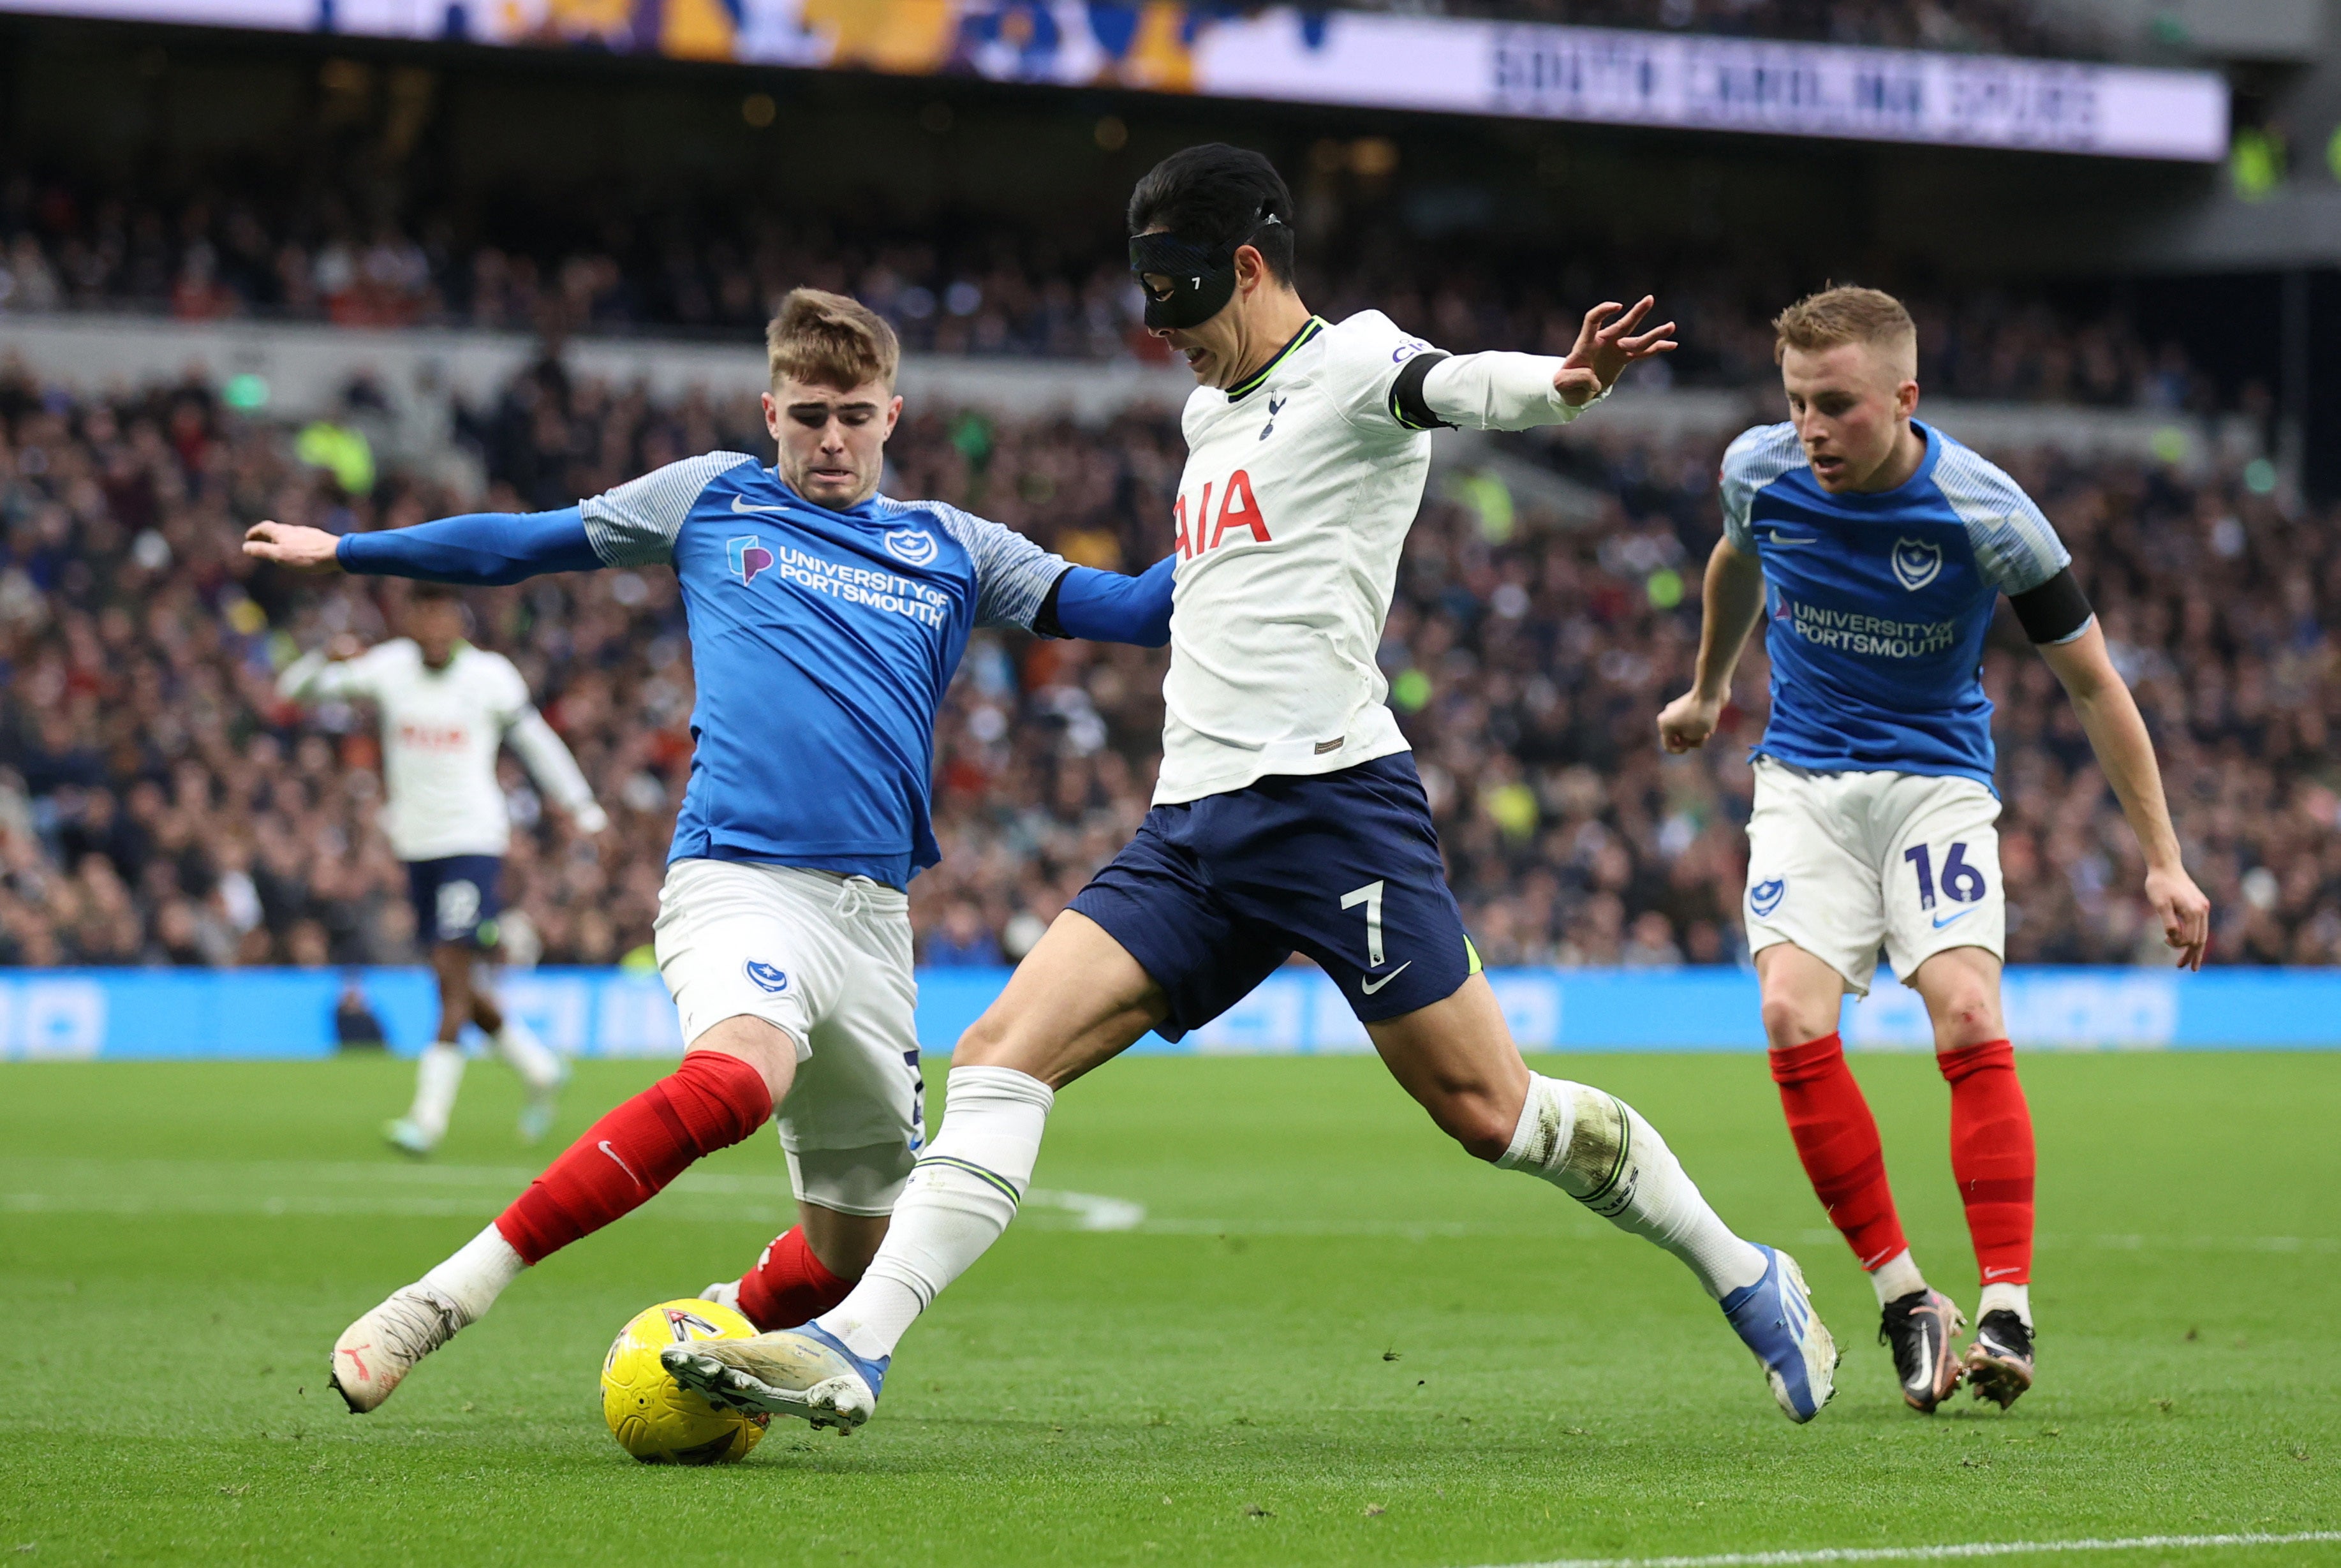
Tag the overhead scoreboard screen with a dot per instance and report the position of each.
(1353, 58)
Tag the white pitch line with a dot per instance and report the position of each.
(1091, 1211)
(1935, 1554)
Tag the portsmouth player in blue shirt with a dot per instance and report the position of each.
(825, 623)
(1287, 815)
(1875, 549)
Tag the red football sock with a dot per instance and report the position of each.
(710, 1102)
(1991, 1157)
(789, 1286)
(1837, 1138)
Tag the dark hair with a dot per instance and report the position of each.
(1220, 195)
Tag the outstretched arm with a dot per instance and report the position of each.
(479, 548)
(1730, 602)
(1524, 391)
(2125, 751)
(1109, 607)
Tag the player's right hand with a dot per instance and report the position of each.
(1685, 724)
(290, 545)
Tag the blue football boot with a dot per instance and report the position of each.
(804, 1372)
(1774, 1317)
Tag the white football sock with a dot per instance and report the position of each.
(437, 1075)
(1599, 1151)
(529, 1056)
(477, 1273)
(1896, 1277)
(960, 1197)
(2016, 1299)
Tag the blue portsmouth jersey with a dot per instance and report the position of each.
(821, 643)
(1876, 606)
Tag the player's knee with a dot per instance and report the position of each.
(1967, 1016)
(1791, 1021)
(1484, 1131)
(983, 1043)
(765, 1045)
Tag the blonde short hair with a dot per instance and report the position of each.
(1845, 314)
(831, 340)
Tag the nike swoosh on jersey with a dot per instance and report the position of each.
(1370, 986)
(1941, 921)
(1777, 538)
(742, 504)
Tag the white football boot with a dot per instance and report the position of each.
(381, 1348)
(408, 1138)
(805, 1371)
(536, 1117)
(722, 1293)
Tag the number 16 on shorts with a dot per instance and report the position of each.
(1962, 883)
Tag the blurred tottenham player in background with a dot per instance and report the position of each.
(446, 706)
(1875, 549)
(1288, 815)
(826, 621)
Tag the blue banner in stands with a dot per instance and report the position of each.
(78, 1015)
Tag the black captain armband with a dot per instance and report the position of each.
(1407, 403)
(2055, 612)
(1045, 619)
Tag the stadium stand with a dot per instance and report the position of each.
(160, 806)
(990, 291)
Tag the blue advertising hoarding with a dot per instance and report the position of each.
(287, 1013)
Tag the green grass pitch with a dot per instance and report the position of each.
(1333, 1339)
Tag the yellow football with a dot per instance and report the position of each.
(656, 1418)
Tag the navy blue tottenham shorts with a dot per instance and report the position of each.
(1212, 896)
(454, 898)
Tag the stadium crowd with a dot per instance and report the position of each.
(989, 291)
(160, 806)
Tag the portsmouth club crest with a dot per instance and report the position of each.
(1765, 896)
(911, 546)
(1916, 562)
(749, 557)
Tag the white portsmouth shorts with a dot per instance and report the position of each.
(826, 958)
(1842, 864)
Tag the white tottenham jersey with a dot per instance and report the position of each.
(1299, 487)
(440, 732)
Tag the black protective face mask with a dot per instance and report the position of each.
(1202, 275)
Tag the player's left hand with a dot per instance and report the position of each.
(2186, 913)
(291, 544)
(1606, 347)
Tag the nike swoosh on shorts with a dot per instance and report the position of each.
(1941, 921)
(1370, 986)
